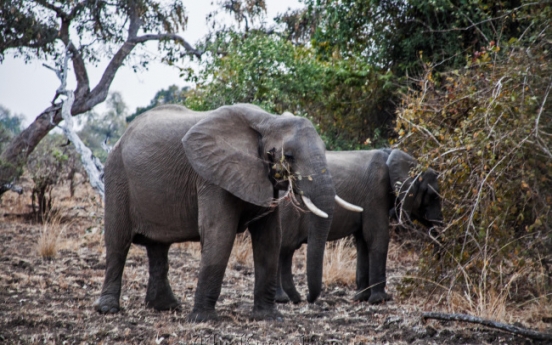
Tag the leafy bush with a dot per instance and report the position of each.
(488, 129)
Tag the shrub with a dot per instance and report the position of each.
(52, 162)
(488, 129)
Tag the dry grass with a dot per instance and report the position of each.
(340, 262)
(242, 253)
(192, 248)
(49, 241)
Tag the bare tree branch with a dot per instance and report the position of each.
(489, 323)
(92, 165)
(152, 37)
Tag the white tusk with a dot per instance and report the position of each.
(348, 206)
(313, 208)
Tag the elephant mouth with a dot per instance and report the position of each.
(284, 179)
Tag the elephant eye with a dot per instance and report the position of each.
(288, 156)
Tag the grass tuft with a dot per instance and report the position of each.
(340, 262)
(49, 241)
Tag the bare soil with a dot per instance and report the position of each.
(49, 301)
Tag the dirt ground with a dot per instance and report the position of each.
(49, 301)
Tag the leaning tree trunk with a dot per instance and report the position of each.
(16, 153)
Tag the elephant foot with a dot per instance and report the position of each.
(362, 295)
(281, 296)
(164, 304)
(107, 304)
(202, 316)
(379, 297)
(271, 314)
(160, 297)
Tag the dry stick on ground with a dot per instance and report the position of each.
(489, 323)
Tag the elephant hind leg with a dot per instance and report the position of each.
(362, 269)
(111, 290)
(118, 237)
(159, 294)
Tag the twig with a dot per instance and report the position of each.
(537, 120)
(529, 333)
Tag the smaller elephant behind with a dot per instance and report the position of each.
(379, 181)
(413, 201)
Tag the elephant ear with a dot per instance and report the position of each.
(224, 149)
(400, 164)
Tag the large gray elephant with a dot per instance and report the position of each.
(367, 179)
(178, 175)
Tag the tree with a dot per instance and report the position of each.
(88, 30)
(346, 98)
(398, 35)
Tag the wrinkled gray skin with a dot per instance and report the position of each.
(178, 175)
(364, 178)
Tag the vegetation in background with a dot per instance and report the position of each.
(10, 125)
(346, 99)
(399, 35)
(54, 161)
(101, 131)
(171, 95)
(488, 129)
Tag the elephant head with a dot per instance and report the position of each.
(253, 154)
(417, 197)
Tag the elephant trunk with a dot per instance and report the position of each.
(318, 231)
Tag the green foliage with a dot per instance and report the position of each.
(488, 129)
(53, 161)
(101, 131)
(401, 34)
(345, 98)
(35, 29)
(9, 122)
(171, 95)
(10, 125)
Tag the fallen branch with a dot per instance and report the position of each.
(489, 323)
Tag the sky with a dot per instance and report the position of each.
(28, 89)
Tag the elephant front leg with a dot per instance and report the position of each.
(159, 294)
(266, 239)
(281, 296)
(286, 276)
(217, 227)
(214, 258)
